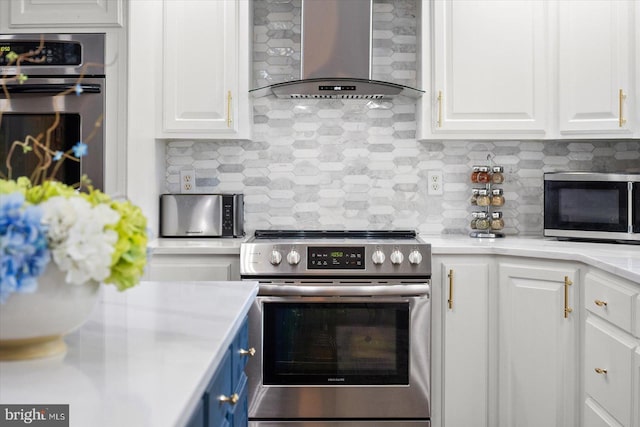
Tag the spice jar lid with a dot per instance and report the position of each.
(483, 192)
(475, 168)
(496, 191)
(480, 215)
(483, 168)
(497, 169)
(496, 215)
(475, 191)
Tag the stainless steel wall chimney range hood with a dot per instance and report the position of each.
(336, 55)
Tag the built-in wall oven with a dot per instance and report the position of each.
(343, 323)
(55, 94)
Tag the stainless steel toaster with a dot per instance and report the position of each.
(201, 215)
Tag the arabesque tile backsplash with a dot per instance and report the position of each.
(356, 164)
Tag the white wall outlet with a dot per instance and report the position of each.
(434, 186)
(188, 181)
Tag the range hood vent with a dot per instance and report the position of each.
(336, 55)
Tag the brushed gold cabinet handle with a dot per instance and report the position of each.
(450, 300)
(621, 97)
(600, 303)
(229, 98)
(567, 309)
(251, 352)
(232, 400)
(439, 109)
(601, 371)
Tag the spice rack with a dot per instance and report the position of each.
(488, 197)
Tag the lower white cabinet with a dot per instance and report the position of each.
(537, 343)
(188, 267)
(465, 335)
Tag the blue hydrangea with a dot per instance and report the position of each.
(23, 245)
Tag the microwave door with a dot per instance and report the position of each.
(586, 206)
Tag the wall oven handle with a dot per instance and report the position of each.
(52, 88)
(413, 289)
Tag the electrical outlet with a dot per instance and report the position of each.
(434, 186)
(188, 181)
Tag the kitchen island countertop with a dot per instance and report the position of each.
(143, 358)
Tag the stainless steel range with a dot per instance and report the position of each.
(343, 323)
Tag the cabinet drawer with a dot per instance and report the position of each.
(610, 351)
(595, 416)
(610, 301)
(220, 386)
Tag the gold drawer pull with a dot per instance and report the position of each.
(440, 109)
(600, 303)
(601, 371)
(450, 300)
(251, 352)
(567, 309)
(233, 399)
(621, 97)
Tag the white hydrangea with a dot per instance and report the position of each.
(78, 240)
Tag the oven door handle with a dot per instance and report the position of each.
(53, 88)
(414, 289)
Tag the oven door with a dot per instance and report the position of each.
(361, 355)
(36, 108)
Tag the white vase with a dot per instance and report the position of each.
(32, 324)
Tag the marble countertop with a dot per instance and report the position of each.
(143, 358)
(620, 259)
(179, 245)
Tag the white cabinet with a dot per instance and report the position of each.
(489, 67)
(189, 267)
(64, 13)
(466, 344)
(205, 69)
(595, 68)
(537, 343)
(610, 374)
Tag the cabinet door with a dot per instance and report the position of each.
(537, 345)
(65, 13)
(205, 58)
(595, 61)
(466, 343)
(490, 67)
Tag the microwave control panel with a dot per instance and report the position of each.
(335, 258)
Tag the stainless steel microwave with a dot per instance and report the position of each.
(592, 206)
(201, 215)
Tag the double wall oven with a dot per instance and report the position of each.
(61, 102)
(342, 319)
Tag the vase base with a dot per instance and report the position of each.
(32, 348)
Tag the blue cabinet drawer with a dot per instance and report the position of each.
(220, 386)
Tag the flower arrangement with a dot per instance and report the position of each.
(87, 234)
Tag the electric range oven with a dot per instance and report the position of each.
(342, 319)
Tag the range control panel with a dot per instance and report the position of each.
(335, 258)
(52, 53)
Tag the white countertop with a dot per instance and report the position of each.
(620, 259)
(181, 245)
(144, 357)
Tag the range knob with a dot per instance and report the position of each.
(415, 257)
(276, 257)
(378, 257)
(293, 257)
(396, 257)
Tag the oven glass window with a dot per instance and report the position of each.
(336, 343)
(592, 206)
(64, 135)
(636, 207)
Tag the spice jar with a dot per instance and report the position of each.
(497, 199)
(498, 175)
(483, 198)
(497, 223)
(482, 220)
(483, 175)
(474, 173)
(474, 196)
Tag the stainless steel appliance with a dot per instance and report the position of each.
(592, 206)
(61, 63)
(202, 215)
(343, 323)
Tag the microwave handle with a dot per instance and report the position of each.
(52, 88)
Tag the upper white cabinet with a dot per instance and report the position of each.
(530, 69)
(538, 343)
(595, 68)
(65, 13)
(489, 66)
(205, 69)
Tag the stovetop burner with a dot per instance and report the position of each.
(335, 234)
